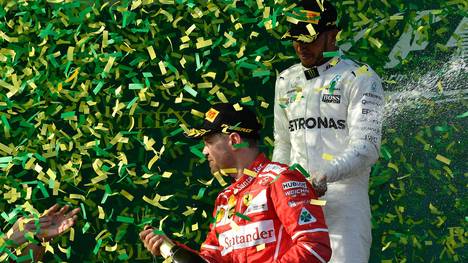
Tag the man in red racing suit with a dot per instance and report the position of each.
(270, 212)
(267, 218)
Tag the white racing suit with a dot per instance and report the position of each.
(330, 122)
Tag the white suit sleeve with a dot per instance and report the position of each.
(282, 147)
(365, 112)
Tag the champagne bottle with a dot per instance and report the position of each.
(179, 254)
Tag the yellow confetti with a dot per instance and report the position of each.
(376, 42)
(162, 67)
(135, 4)
(153, 160)
(439, 86)
(166, 175)
(361, 70)
(311, 30)
(443, 159)
(269, 141)
(48, 247)
(241, 52)
(260, 4)
(185, 39)
(264, 105)
(320, 4)
(182, 62)
(151, 52)
(108, 66)
(246, 99)
(111, 248)
(102, 214)
(5, 148)
(77, 196)
(260, 247)
(219, 178)
(201, 43)
(249, 172)
(70, 52)
(73, 76)
(393, 166)
(197, 113)
(209, 75)
(195, 227)
(190, 29)
(237, 107)
(327, 156)
(221, 97)
(229, 171)
(318, 202)
(205, 85)
(72, 234)
(98, 179)
(127, 195)
(396, 17)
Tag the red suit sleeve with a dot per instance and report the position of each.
(210, 249)
(291, 195)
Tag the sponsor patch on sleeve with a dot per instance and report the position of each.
(305, 217)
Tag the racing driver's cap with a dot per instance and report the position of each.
(226, 118)
(315, 17)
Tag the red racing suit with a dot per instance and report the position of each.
(267, 218)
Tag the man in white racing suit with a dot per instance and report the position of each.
(327, 118)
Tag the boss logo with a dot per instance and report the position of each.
(329, 98)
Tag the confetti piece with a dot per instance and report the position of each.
(108, 66)
(461, 116)
(327, 156)
(311, 30)
(201, 43)
(249, 172)
(151, 52)
(219, 178)
(393, 166)
(237, 107)
(260, 247)
(162, 67)
(125, 219)
(298, 167)
(396, 17)
(318, 202)
(443, 159)
(243, 216)
(331, 54)
(375, 42)
(201, 193)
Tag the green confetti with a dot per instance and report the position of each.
(98, 245)
(158, 232)
(297, 166)
(241, 145)
(331, 54)
(243, 216)
(85, 228)
(125, 219)
(461, 116)
(134, 86)
(200, 194)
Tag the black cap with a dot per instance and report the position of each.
(321, 17)
(227, 118)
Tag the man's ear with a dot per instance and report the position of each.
(234, 138)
